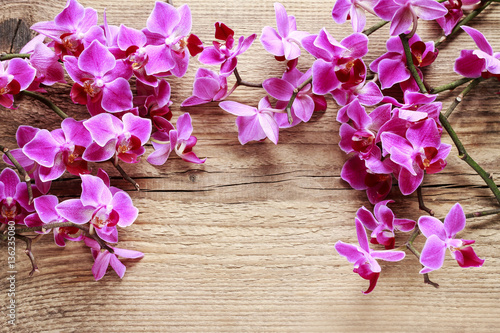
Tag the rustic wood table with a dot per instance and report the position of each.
(245, 242)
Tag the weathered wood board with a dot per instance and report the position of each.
(245, 242)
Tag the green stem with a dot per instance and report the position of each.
(483, 213)
(13, 55)
(451, 85)
(374, 28)
(462, 153)
(410, 65)
(47, 102)
(464, 21)
(460, 96)
(292, 99)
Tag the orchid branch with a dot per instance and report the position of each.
(28, 252)
(421, 204)
(292, 99)
(241, 82)
(9, 56)
(460, 96)
(451, 85)
(375, 27)
(462, 153)
(47, 102)
(410, 65)
(124, 174)
(21, 171)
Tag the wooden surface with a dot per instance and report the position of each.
(245, 242)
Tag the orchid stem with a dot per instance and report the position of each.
(462, 153)
(21, 171)
(245, 83)
(483, 213)
(410, 65)
(451, 85)
(28, 252)
(460, 96)
(292, 99)
(464, 21)
(47, 102)
(8, 56)
(124, 175)
(421, 204)
(374, 28)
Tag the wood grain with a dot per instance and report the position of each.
(245, 242)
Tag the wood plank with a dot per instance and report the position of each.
(246, 241)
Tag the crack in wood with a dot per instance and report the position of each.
(16, 30)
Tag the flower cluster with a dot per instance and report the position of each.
(388, 133)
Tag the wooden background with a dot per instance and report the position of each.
(245, 242)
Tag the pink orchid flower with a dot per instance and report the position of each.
(441, 237)
(46, 62)
(102, 206)
(335, 60)
(355, 10)
(474, 63)
(402, 13)
(72, 30)
(284, 43)
(114, 137)
(60, 150)
(391, 66)
(14, 199)
(364, 258)
(254, 123)
(383, 223)
(208, 86)
(101, 81)
(421, 150)
(305, 102)
(103, 259)
(46, 212)
(225, 53)
(166, 30)
(15, 75)
(169, 139)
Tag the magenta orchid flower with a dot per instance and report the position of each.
(46, 212)
(103, 259)
(361, 177)
(383, 223)
(124, 138)
(391, 66)
(154, 101)
(421, 150)
(254, 123)
(361, 136)
(166, 32)
(46, 62)
(284, 43)
(169, 139)
(404, 13)
(305, 102)
(25, 134)
(225, 53)
(14, 198)
(355, 10)
(335, 60)
(472, 63)
(60, 150)
(441, 237)
(102, 206)
(208, 86)
(101, 81)
(15, 75)
(364, 258)
(72, 30)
